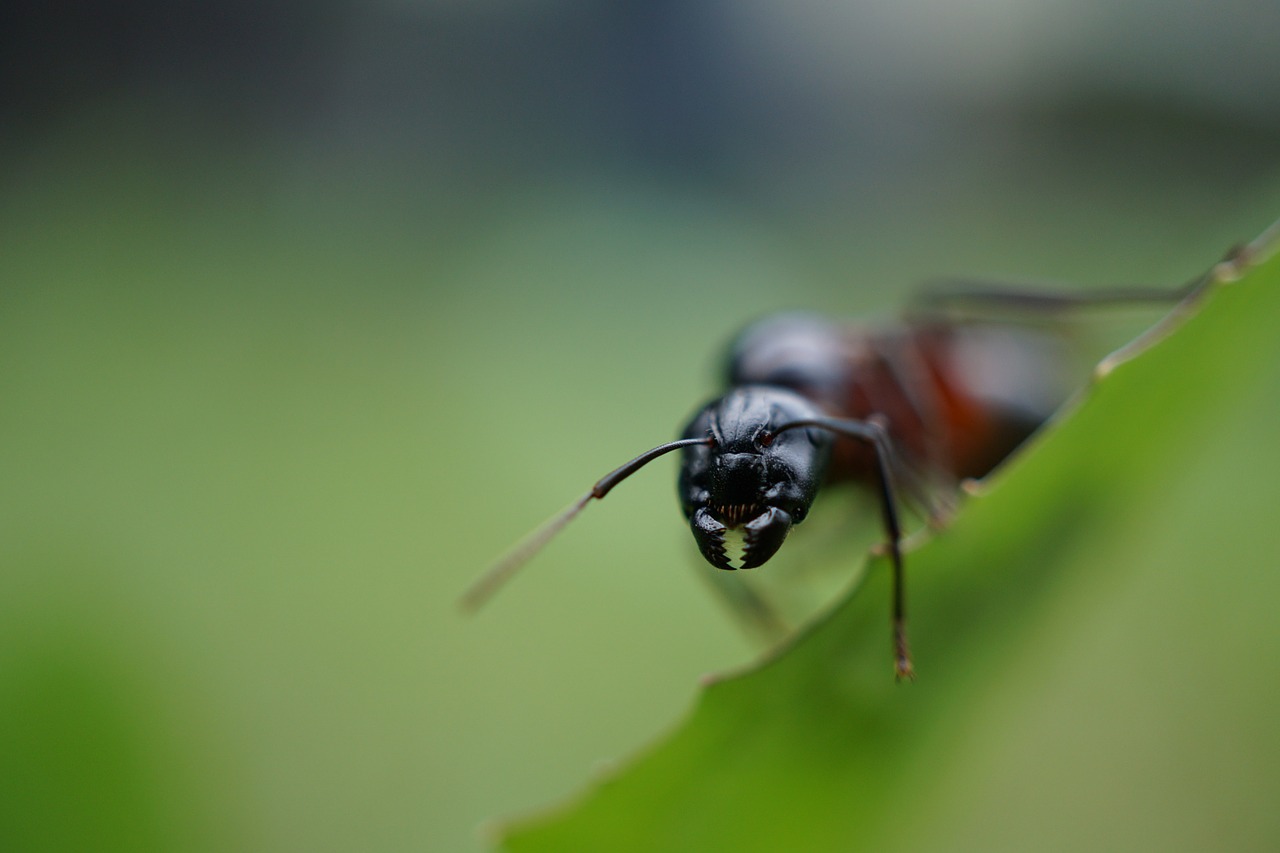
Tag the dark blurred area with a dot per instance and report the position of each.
(800, 110)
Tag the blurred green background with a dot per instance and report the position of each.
(308, 310)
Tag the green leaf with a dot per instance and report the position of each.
(1095, 641)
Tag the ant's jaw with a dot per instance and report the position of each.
(739, 546)
(764, 536)
(709, 533)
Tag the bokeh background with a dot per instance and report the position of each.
(307, 310)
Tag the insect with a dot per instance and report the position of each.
(909, 410)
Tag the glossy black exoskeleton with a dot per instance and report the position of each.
(749, 477)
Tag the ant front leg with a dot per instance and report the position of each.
(874, 432)
(880, 440)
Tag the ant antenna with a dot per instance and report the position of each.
(502, 571)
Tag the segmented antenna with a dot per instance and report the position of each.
(502, 571)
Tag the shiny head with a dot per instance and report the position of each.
(750, 482)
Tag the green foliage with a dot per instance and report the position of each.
(1094, 636)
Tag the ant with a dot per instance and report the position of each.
(911, 410)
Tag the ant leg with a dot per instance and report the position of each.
(923, 495)
(873, 432)
(956, 294)
(979, 298)
(893, 530)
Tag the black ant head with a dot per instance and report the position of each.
(751, 481)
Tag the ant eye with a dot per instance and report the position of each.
(764, 439)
